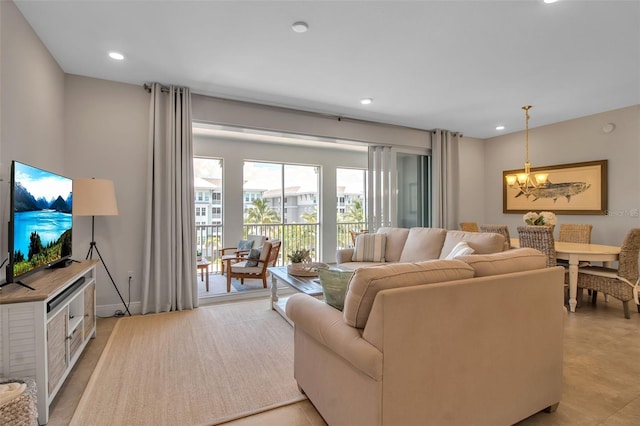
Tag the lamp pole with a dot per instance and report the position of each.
(93, 245)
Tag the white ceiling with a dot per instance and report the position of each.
(466, 66)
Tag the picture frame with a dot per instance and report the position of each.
(575, 188)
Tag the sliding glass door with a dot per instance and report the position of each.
(413, 194)
(282, 202)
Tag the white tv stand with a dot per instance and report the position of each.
(44, 331)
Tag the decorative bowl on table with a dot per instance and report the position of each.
(305, 269)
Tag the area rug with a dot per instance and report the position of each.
(249, 284)
(200, 367)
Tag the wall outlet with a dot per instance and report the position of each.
(130, 275)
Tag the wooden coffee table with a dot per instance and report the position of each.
(306, 285)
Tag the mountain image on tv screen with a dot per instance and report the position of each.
(42, 218)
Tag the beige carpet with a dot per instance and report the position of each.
(198, 367)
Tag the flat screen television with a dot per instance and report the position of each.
(40, 220)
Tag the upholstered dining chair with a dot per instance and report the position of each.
(498, 229)
(469, 227)
(242, 249)
(242, 267)
(621, 283)
(539, 238)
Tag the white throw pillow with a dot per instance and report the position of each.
(460, 249)
(369, 248)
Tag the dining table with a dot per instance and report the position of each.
(575, 253)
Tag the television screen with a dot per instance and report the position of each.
(41, 220)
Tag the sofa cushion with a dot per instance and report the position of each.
(352, 266)
(423, 244)
(367, 282)
(461, 249)
(396, 238)
(481, 242)
(506, 262)
(370, 248)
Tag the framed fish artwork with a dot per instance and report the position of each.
(576, 188)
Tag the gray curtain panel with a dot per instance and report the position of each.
(169, 272)
(444, 152)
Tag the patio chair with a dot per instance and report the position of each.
(469, 227)
(354, 235)
(499, 229)
(242, 249)
(621, 283)
(254, 265)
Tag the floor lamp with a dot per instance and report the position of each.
(96, 197)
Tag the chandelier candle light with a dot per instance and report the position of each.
(524, 181)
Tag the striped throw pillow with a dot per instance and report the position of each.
(369, 248)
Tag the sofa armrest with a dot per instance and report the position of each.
(344, 255)
(324, 324)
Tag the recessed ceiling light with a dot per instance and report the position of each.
(550, 1)
(499, 127)
(300, 27)
(366, 101)
(117, 56)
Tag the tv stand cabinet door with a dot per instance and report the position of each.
(57, 349)
(89, 311)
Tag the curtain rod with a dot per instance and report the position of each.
(165, 89)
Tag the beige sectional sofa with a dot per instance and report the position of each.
(418, 244)
(471, 341)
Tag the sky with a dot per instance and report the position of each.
(41, 183)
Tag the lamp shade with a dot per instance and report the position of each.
(94, 197)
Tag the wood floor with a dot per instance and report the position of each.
(601, 371)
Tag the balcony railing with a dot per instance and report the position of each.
(294, 236)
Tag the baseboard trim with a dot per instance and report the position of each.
(105, 311)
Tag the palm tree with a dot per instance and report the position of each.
(261, 212)
(354, 213)
(311, 217)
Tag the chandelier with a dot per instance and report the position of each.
(525, 182)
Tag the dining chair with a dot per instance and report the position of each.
(469, 227)
(575, 233)
(498, 229)
(243, 267)
(539, 238)
(621, 283)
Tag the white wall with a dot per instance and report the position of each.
(106, 136)
(31, 106)
(575, 141)
(471, 172)
(242, 114)
(235, 152)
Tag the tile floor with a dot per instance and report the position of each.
(601, 372)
